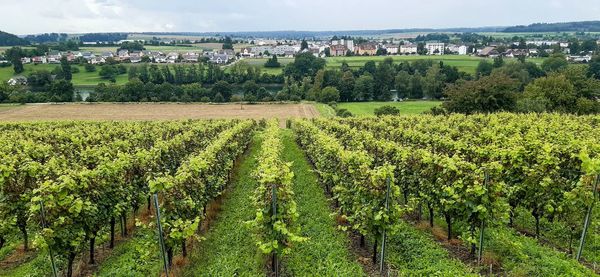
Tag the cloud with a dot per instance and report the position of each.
(78, 16)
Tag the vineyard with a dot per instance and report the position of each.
(503, 194)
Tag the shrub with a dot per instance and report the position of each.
(387, 110)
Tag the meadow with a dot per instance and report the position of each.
(464, 63)
(406, 107)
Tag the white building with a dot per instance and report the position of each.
(463, 49)
(348, 43)
(392, 49)
(408, 49)
(435, 48)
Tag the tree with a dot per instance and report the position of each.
(346, 86)
(328, 94)
(594, 69)
(273, 62)
(90, 67)
(554, 63)
(402, 84)
(224, 89)
(484, 68)
(433, 84)
(61, 91)
(498, 61)
(228, 43)
(305, 64)
(108, 72)
(416, 87)
(363, 90)
(387, 110)
(384, 80)
(554, 93)
(15, 54)
(303, 45)
(317, 85)
(489, 94)
(66, 68)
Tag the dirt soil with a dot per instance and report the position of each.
(155, 111)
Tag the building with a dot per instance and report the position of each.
(247, 52)
(17, 80)
(366, 49)
(408, 49)
(38, 60)
(26, 60)
(98, 60)
(348, 43)
(463, 50)
(580, 59)
(437, 48)
(190, 57)
(489, 51)
(338, 50)
(218, 58)
(392, 49)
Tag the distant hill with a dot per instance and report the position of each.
(581, 26)
(310, 34)
(7, 39)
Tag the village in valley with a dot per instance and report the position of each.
(327, 47)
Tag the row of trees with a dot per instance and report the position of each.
(524, 87)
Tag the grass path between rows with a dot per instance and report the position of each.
(326, 252)
(229, 250)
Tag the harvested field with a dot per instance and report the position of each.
(154, 111)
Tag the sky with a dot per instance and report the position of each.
(85, 16)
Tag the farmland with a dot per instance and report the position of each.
(156, 111)
(216, 183)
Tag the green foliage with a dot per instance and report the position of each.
(387, 110)
(328, 94)
(488, 94)
(273, 62)
(275, 228)
(325, 253)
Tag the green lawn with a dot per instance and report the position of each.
(406, 107)
(229, 249)
(464, 63)
(83, 78)
(325, 110)
(137, 256)
(326, 251)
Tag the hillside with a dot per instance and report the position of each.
(581, 26)
(7, 39)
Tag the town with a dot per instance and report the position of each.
(334, 47)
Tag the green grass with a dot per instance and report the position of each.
(229, 250)
(524, 256)
(326, 252)
(325, 110)
(83, 78)
(39, 265)
(7, 107)
(406, 107)
(464, 63)
(415, 253)
(137, 256)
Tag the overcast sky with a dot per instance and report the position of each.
(79, 16)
